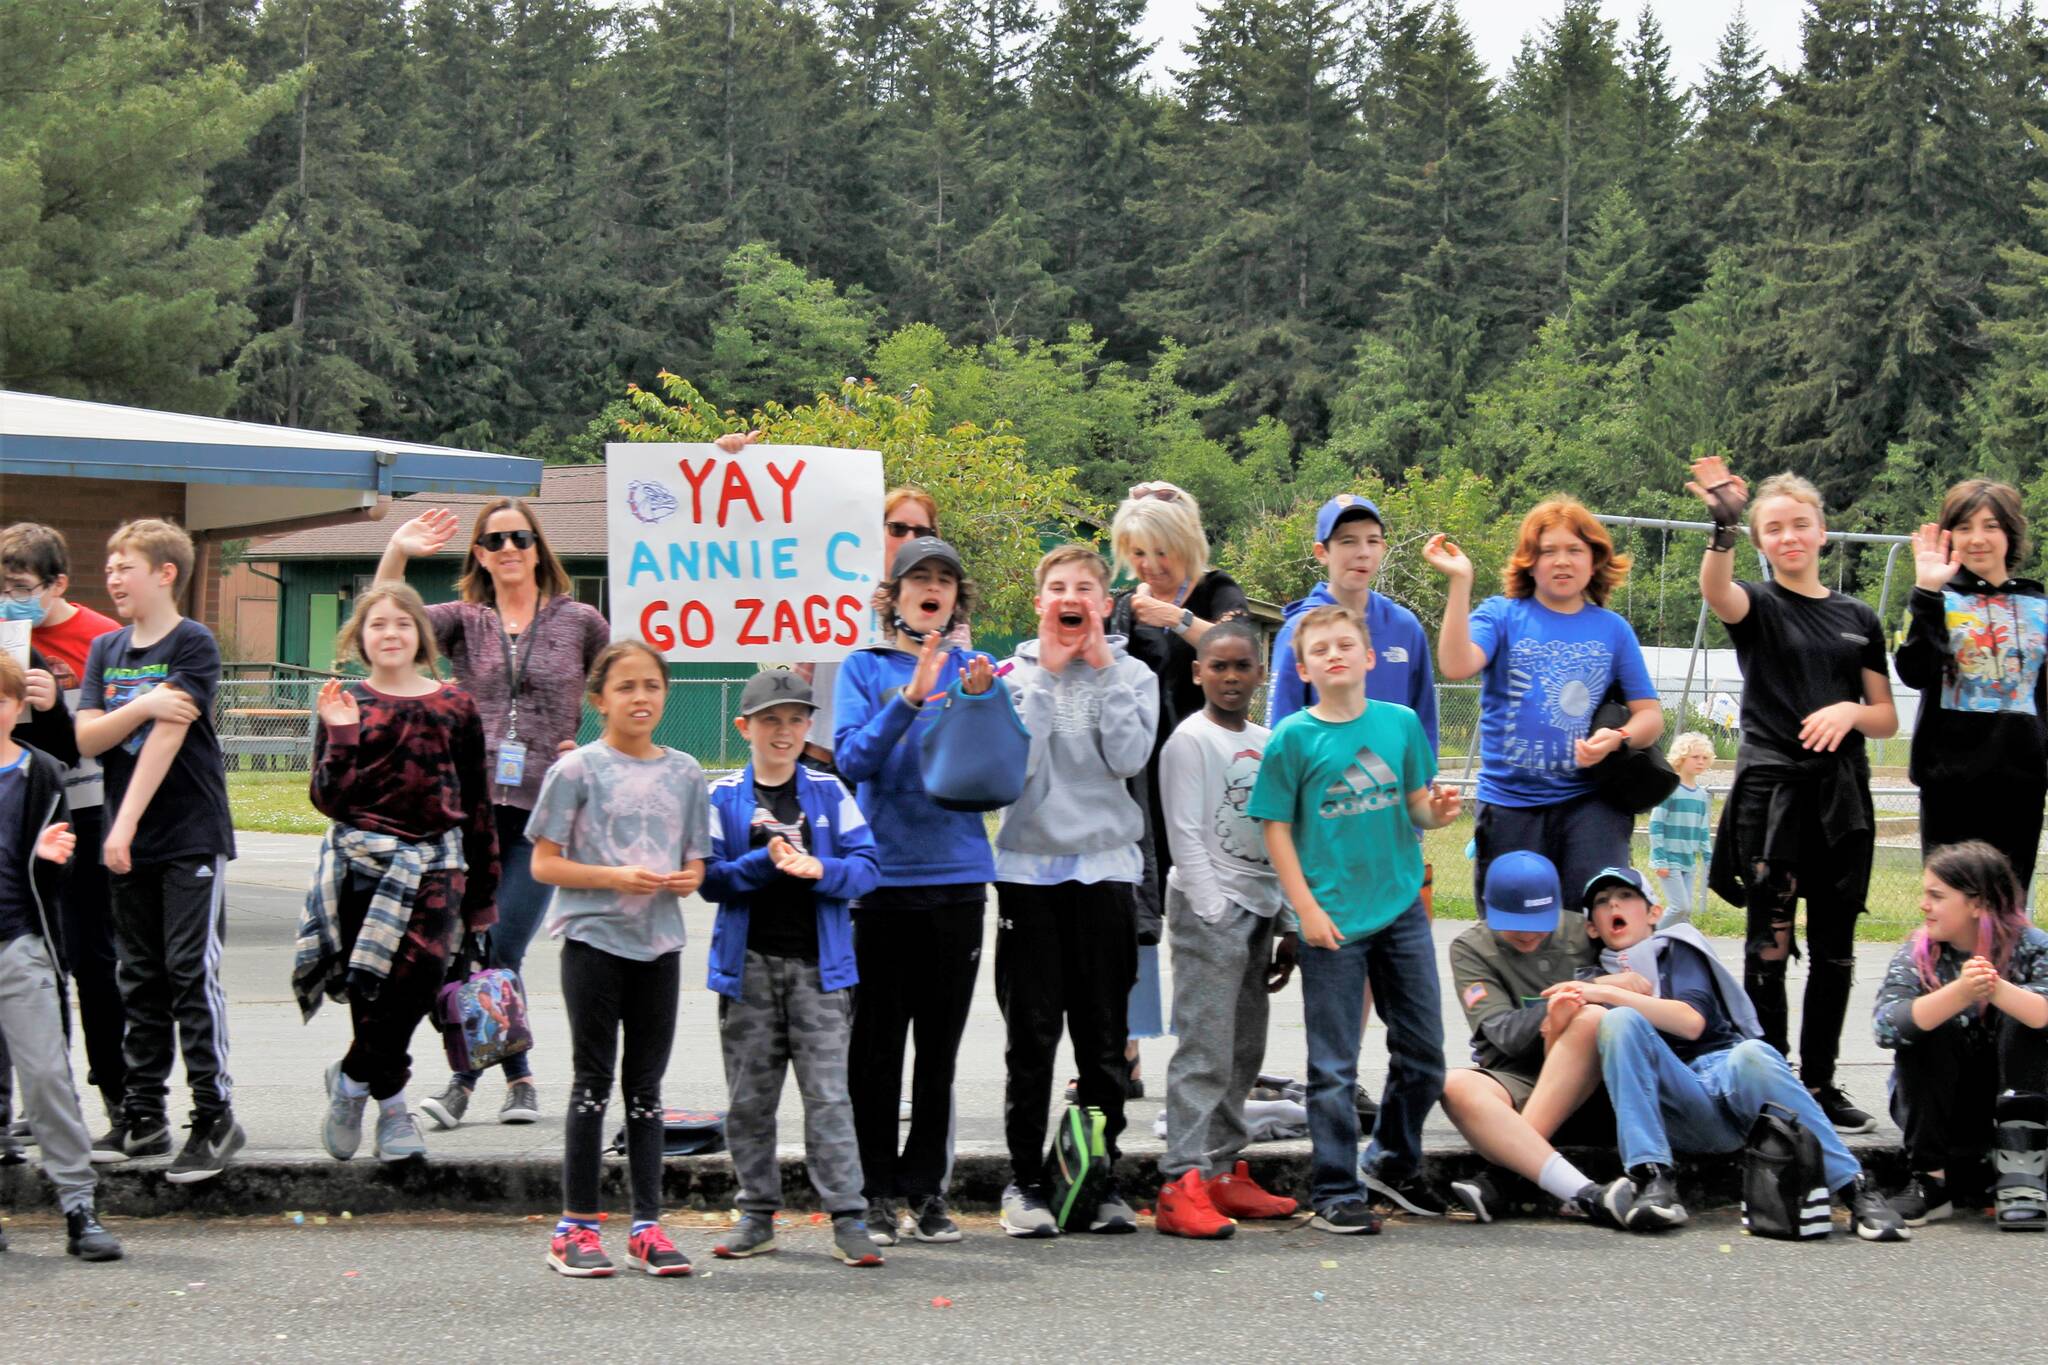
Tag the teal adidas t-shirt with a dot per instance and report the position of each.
(1344, 788)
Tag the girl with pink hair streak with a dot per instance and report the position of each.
(1964, 1008)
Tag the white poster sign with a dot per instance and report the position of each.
(764, 556)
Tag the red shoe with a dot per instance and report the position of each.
(654, 1253)
(579, 1254)
(1185, 1211)
(1237, 1195)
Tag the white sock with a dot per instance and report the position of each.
(394, 1105)
(1560, 1179)
(351, 1088)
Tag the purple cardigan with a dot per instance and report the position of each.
(555, 655)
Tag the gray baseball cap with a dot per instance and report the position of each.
(775, 687)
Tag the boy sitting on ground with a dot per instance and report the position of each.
(1538, 1057)
(1686, 1068)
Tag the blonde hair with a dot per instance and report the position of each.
(1331, 617)
(1690, 743)
(1071, 553)
(159, 542)
(1787, 485)
(896, 497)
(13, 681)
(349, 643)
(1173, 524)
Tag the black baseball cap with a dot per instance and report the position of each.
(923, 550)
(775, 687)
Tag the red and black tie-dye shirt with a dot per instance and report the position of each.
(413, 767)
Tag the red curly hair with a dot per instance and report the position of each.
(1518, 579)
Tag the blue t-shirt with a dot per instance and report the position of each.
(1546, 671)
(1343, 789)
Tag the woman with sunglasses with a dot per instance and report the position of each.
(522, 646)
(1157, 538)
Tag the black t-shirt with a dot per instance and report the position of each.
(1799, 654)
(1687, 977)
(782, 920)
(188, 816)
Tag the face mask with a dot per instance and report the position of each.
(31, 611)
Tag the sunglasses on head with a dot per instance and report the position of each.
(495, 540)
(1165, 492)
(904, 528)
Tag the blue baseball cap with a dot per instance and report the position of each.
(1522, 894)
(1615, 876)
(1341, 509)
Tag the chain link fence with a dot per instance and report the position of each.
(266, 733)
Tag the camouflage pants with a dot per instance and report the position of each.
(784, 1018)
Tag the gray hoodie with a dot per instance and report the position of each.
(1091, 732)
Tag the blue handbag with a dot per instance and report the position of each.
(975, 750)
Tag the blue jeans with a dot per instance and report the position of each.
(1677, 887)
(1707, 1105)
(1400, 963)
(522, 905)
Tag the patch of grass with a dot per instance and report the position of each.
(273, 803)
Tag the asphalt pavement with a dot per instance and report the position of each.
(461, 1288)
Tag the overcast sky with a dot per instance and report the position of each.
(1691, 27)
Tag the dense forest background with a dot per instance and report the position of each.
(1334, 253)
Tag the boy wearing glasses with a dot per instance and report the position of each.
(35, 573)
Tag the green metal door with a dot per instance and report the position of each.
(323, 619)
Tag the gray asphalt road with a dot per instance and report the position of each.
(451, 1288)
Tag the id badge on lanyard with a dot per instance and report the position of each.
(511, 770)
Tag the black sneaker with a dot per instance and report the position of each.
(1871, 1214)
(1411, 1193)
(1479, 1197)
(1841, 1111)
(934, 1224)
(1924, 1200)
(882, 1220)
(111, 1147)
(1608, 1204)
(213, 1144)
(1655, 1205)
(145, 1137)
(1350, 1218)
(1368, 1106)
(87, 1240)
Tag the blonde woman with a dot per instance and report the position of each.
(1681, 830)
(1157, 539)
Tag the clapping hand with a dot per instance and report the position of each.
(337, 705)
(792, 863)
(924, 679)
(981, 676)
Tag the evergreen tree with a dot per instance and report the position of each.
(1613, 280)
(111, 284)
(1724, 162)
(1651, 168)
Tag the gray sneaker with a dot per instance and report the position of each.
(883, 1218)
(522, 1103)
(853, 1243)
(1026, 1214)
(1113, 1215)
(398, 1137)
(342, 1131)
(753, 1235)
(447, 1108)
(933, 1224)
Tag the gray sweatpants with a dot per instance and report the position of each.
(783, 1018)
(33, 1021)
(1220, 1007)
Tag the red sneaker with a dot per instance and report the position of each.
(1237, 1195)
(579, 1254)
(1185, 1211)
(654, 1253)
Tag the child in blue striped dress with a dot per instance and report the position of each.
(1681, 830)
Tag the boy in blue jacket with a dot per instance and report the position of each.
(789, 849)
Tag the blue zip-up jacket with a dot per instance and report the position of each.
(1402, 671)
(839, 839)
(920, 842)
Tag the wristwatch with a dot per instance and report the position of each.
(1187, 619)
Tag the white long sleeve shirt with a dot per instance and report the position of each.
(1206, 775)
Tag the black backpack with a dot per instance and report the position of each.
(1784, 1187)
(685, 1132)
(1077, 1168)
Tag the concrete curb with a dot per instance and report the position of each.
(533, 1185)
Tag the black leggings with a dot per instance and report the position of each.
(1948, 1084)
(1830, 965)
(603, 992)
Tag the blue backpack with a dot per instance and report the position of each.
(974, 751)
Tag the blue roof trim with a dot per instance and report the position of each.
(411, 471)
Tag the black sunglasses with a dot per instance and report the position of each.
(904, 528)
(495, 540)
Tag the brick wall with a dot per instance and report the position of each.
(88, 510)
